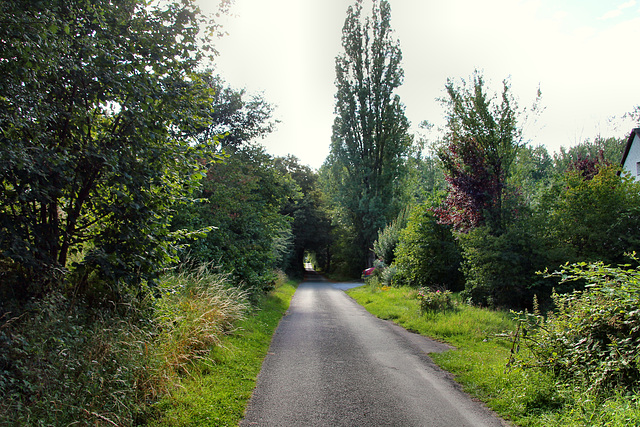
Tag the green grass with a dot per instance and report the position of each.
(218, 388)
(525, 398)
(462, 327)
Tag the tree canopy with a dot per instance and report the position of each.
(480, 146)
(99, 104)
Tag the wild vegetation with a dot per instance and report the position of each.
(65, 361)
(590, 339)
(141, 224)
(566, 353)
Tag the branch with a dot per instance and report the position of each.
(101, 417)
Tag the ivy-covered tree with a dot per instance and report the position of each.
(98, 104)
(370, 141)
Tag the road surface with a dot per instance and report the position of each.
(331, 363)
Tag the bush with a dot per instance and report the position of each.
(379, 274)
(595, 219)
(427, 252)
(434, 300)
(387, 277)
(388, 238)
(592, 338)
(244, 199)
(499, 269)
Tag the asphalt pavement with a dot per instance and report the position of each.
(331, 363)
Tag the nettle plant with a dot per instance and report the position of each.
(434, 300)
(592, 337)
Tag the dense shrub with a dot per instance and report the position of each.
(242, 198)
(595, 219)
(434, 300)
(427, 253)
(592, 337)
(498, 269)
(388, 275)
(62, 364)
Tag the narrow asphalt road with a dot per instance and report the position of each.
(331, 363)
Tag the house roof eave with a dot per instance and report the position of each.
(634, 132)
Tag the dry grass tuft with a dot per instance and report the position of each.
(198, 308)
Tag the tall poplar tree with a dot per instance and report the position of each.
(370, 142)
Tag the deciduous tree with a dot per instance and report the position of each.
(243, 198)
(235, 118)
(479, 148)
(587, 155)
(98, 103)
(482, 142)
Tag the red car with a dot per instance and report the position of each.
(368, 272)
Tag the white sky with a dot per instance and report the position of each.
(582, 53)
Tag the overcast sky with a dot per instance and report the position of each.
(583, 54)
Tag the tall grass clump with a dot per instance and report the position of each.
(219, 386)
(65, 362)
(197, 309)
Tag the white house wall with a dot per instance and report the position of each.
(632, 162)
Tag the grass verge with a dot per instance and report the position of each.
(524, 397)
(218, 387)
(188, 358)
